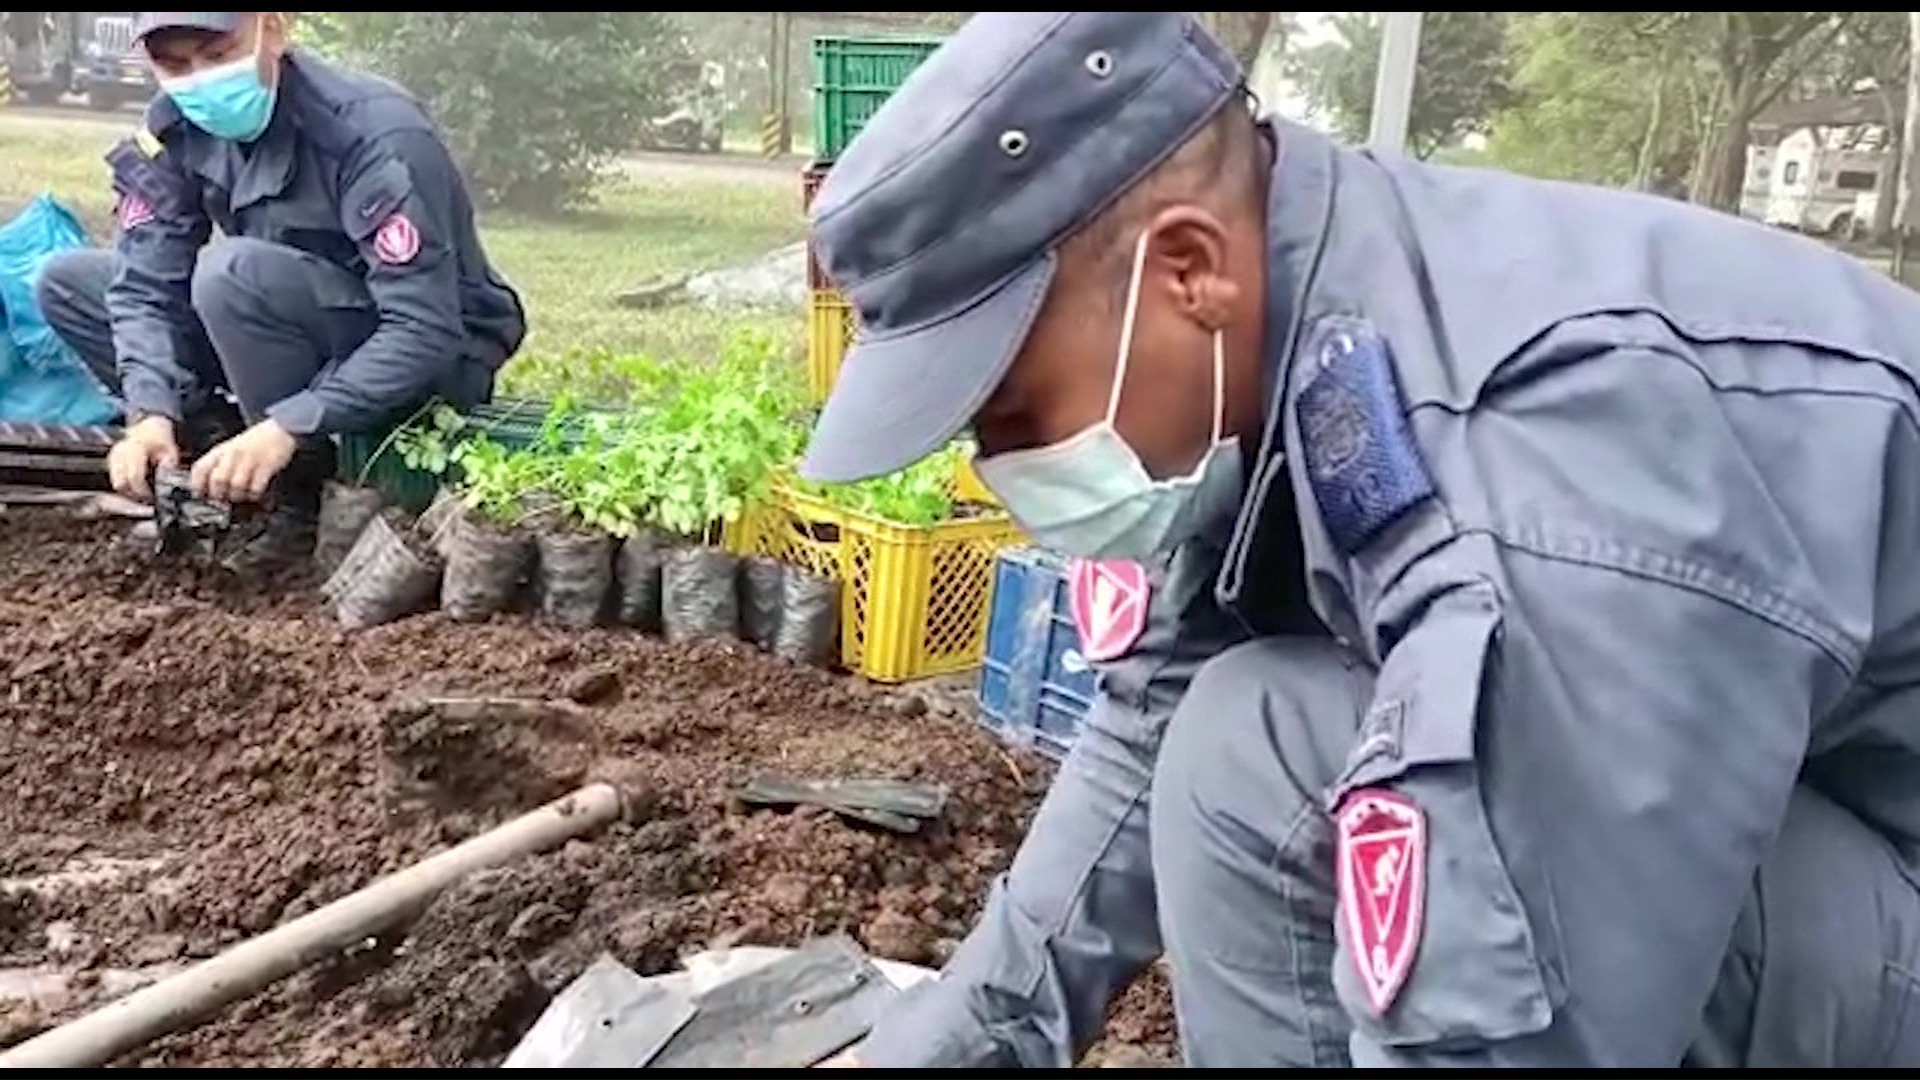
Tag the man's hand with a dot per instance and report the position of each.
(147, 443)
(240, 469)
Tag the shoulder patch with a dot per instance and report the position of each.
(1382, 846)
(1362, 462)
(1108, 598)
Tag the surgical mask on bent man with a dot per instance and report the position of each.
(228, 101)
(1091, 495)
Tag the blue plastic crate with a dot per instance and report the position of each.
(1035, 687)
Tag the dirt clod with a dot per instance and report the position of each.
(185, 764)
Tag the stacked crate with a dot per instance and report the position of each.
(914, 598)
(852, 77)
(829, 316)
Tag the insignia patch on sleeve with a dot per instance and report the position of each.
(1362, 463)
(133, 211)
(1383, 888)
(1108, 598)
(397, 241)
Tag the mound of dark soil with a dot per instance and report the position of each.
(184, 764)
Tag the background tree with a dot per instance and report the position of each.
(535, 103)
(1463, 80)
(1756, 56)
(1242, 32)
(1604, 96)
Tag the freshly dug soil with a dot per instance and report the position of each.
(184, 764)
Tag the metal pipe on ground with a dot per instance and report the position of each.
(180, 1001)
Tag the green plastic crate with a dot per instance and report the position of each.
(511, 422)
(851, 78)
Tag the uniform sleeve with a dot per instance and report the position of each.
(399, 203)
(1073, 922)
(1591, 714)
(162, 227)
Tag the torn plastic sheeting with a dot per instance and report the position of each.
(608, 1018)
(790, 1014)
(549, 1045)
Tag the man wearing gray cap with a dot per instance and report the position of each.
(348, 285)
(1533, 599)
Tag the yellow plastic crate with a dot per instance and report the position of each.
(913, 601)
(968, 488)
(829, 329)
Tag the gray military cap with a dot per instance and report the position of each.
(941, 221)
(220, 22)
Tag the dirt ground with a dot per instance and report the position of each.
(184, 765)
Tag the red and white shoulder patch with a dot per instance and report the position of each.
(1383, 888)
(1108, 598)
(133, 211)
(397, 241)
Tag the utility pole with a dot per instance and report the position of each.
(1393, 82)
(1910, 167)
(776, 129)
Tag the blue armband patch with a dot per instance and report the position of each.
(1361, 460)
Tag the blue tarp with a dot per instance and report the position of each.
(40, 376)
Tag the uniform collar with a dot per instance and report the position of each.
(267, 169)
(1299, 216)
(1299, 213)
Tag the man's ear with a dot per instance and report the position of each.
(276, 29)
(1187, 257)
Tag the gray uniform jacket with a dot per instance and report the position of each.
(345, 153)
(1659, 463)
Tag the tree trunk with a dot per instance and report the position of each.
(1656, 119)
(1721, 170)
(1892, 175)
(1242, 32)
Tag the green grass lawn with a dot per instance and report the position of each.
(645, 227)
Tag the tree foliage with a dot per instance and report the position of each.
(535, 103)
(1604, 96)
(1242, 32)
(1657, 100)
(1463, 77)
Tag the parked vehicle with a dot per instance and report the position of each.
(114, 73)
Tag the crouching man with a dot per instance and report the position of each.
(348, 284)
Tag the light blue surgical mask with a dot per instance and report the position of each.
(228, 101)
(1091, 495)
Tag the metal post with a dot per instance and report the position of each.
(776, 127)
(1393, 82)
(1909, 191)
(783, 71)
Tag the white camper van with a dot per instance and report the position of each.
(1821, 188)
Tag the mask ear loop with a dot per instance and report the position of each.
(1219, 384)
(1126, 329)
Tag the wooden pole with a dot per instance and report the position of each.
(184, 999)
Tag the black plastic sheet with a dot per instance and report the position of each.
(438, 521)
(575, 576)
(637, 580)
(792, 1014)
(700, 594)
(386, 575)
(762, 596)
(486, 567)
(809, 618)
(344, 512)
(900, 805)
(607, 1018)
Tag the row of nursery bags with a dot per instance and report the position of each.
(379, 566)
